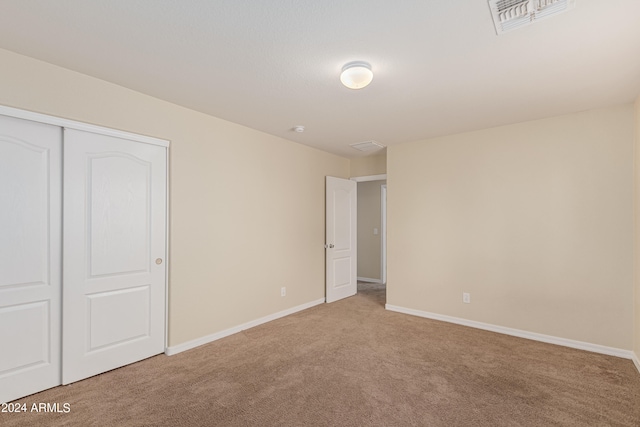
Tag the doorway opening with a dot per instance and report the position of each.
(371, 231)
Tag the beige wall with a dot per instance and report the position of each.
(369, 165)
(369, 218)
(636, 323)
(247, 209)
(533, 219)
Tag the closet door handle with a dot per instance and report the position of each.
(158, 261)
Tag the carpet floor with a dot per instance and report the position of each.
(352, 363)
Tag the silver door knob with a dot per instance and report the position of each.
(158, 261)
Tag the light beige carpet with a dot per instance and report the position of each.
(351, 363)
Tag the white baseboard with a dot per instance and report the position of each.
(636, 361)
(367, 279)
(596, 348)
(170, 351)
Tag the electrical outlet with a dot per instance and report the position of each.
(283, 292)
(466, 298)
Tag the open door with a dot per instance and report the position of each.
(341, 238)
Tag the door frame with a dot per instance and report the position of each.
(383, 228)
(383, 220)
(72, 124)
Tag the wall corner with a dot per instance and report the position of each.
(636, 233)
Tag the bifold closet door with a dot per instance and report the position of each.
(114, 242)
(30, 251)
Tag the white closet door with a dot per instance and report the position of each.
(114, 253)
(30, 226)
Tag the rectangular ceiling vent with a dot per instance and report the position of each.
(511, 14)
(367, 146)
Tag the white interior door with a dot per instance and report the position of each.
(114, 253)
(341, 238)
(30, 251)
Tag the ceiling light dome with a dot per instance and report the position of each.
(356, 75)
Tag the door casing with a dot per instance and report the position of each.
(383, 217)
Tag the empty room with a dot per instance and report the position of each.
(316, 213)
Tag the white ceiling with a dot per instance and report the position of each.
(270, 65)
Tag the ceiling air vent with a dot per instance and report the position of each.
(367, 146)
(511, 14)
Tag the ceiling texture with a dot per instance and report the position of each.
(439, 67)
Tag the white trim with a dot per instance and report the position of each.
(72, 124)
(166, 257)
(596, 348)
(213, 337)
(636, 361)
(383, 227)
(369, 178)
(369, 280)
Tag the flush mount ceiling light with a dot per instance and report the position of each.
(356, 75)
